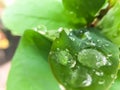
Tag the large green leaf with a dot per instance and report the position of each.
(84, 60)
(116, 84)
(28, 14)
(110, 24)
(30, 69)
(84, 9)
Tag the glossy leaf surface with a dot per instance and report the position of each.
(84, 60)
(30, 69)
(84, 10)
(29, 14)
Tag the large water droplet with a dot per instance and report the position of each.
(80, 79)
(92, 58)
(65, 58)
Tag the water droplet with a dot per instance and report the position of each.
(72, 38)
(51, 52)
(60, 29)
(106, 45)
(92, 58)
(41, 29)
(79, 79)
(66, 50)
(81, 32)
(58, 49)
(98, 40)
(88, 81)
(109, 63)
(87, 34)
(70, 34)
(114, 76)
(92, 43)
(65, 58)
(100, 46)
(109, 55)
(72, 13)
(101, 82)
(99, 73)
(101, 60)
(62, 87)
(72, 64)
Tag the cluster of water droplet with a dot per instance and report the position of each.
(83, 61)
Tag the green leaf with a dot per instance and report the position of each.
(30, 69)
(110, 24)
(84, 60)
(84, 9)
(116, 84)
(28, 14)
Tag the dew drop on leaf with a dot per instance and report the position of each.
(41, 29)
(92, 58)
(79, 80)
(63, 57)
(101, 82)
(114, 76)
(88, 81)
(99, 73)
(88, 36)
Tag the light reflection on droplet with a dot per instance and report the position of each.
(87, 35)
(98, 40)
(99, 73)
(41, 29)
(92, 58)
(114, 76)
(102, 62)
(73, 63)
(88, 81)
(63, 57)
(72, 38)
(109, 55)
(92, 43)
(101, 82)
(62, 87)
(60, 29)
(58, 49)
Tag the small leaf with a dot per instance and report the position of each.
(110, 24)
(84, 60)
(84, 9)
(28, 14)
(30, 69)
